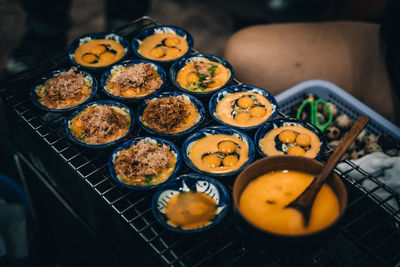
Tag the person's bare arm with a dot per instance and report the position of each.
(278, 56)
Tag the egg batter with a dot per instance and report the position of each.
(99, 53)
(196, 80)
(264, 199)
(297, 140)
(243, 109)
(163, 46)
(218, 153)
(190, 210)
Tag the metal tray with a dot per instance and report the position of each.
(345, 102)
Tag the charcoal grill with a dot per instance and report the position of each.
(369, 232)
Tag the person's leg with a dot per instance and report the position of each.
(121, 12)
(47, 17)
(391, 41)
(278, 56)
(47, 24)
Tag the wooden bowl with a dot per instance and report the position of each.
(282, 242)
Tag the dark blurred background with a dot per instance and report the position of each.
(210, 22)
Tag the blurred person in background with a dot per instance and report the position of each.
(47, 25)
(353, 44)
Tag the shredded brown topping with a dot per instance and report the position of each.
(141, 78)
(65, 90)
(102, 122)
(166, 114)
(142, 159)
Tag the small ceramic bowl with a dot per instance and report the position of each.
(278, 146)
(138, 39)
(179, 65)
(95, 103)
(287, 243)
(221, 94)
(154, 140)
(160, 71)
(215, 130)
(191, 182)
(37, 85)
(199, 106)
(95, 36)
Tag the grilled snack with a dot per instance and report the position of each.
(100, 124)
(170, 115)
(133, 81)
(66, 90)
(144, 164)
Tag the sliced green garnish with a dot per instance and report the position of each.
(211, 70)
(202, 77)
(148, 179)
(82, 137)
(196, 86)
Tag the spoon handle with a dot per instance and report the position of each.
(304, 202)
(349, 137)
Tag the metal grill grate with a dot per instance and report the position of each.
(369, 232)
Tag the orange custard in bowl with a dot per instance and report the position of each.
(263, 203)
(203, 75)
(244, 109)
(219, 153)
(190, 210)
(296, 140)
(99, 53)
(163, 46)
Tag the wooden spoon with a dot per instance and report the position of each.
(304, 202)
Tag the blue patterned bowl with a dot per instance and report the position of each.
(279, 146)
(153, 140)
(94, 36)
(177, 66)
(36, 87)
(195, 183)
(100, 102)
(195, 101)
(126, 63)
(213, 130)
(161, 29)
(218, 96)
